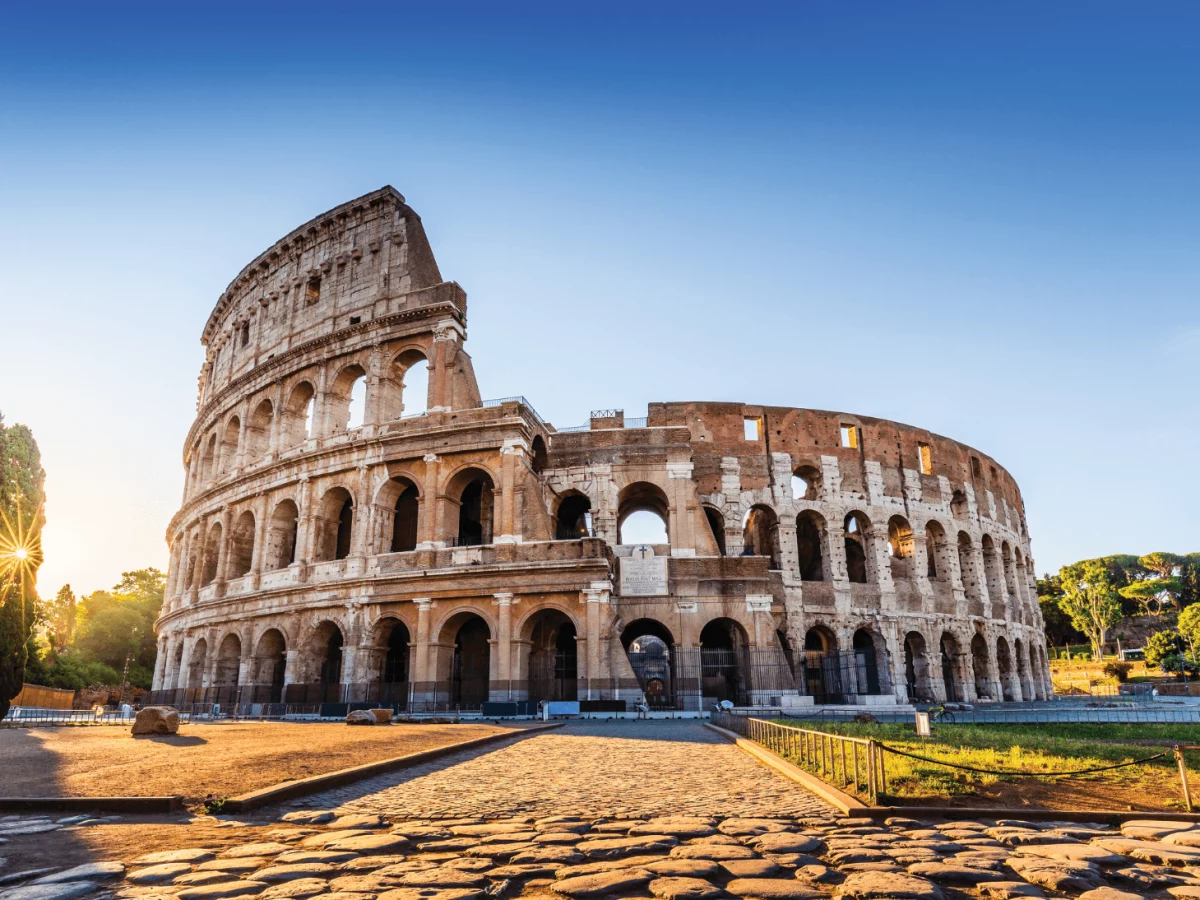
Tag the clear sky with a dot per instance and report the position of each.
(978, 218)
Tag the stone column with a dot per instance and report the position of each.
(304, 527)
(278, 422)
(503, 645)
(595, 596)
(511, 460)
(680, 529)
(223, 550)
(359, 531)
(420, 670)
(430, 524)
(261, 531)
(199, 538)
(160, 664)
(446, 335)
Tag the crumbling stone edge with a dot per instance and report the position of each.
(289, 790)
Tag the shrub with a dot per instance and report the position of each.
(1163, 650)
(1118, 670)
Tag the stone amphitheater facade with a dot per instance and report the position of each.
(348, 535)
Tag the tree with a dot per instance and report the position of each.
(22, 480)
(118, 625)
(1189, 581)
(1091, 600)
(61, 614)
(1164, 649)
(1057, 623)
(1189, 628)
(1152, 594)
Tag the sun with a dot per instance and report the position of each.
(21, 553)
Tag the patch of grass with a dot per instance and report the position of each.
(1032, 749)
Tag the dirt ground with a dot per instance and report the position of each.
(221, 759)
(1157, 794)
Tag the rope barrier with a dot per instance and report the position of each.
(938, 762)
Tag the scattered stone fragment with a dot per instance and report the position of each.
(101, 871)
(680, 888)
(867, 885)
(946, 873)
(1010, 890)
(613, 848)
(602, 883)
(773, 889)
(163, 873)
(750, 868)
(193, 855)
(368, 844)
(787, 842)
(1057, 874)
(717, 852)
(285, 872)
(309, 817)
(1109, 893)
(1072, 853)
(221, 891)
(265, 849)
(155, 720)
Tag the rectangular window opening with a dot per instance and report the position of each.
(354, 320)
(752, 428)
(313, 292)
(245, 333)
(976, 469)
(926, 459)
(850, 436)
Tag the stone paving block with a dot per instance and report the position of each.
(222, 891)
(300, 889)
(773, 889)
(164, 873)
(194, 855)
(601, 883)
(682, 888)
(872, 885)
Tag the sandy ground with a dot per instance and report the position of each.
(223, 760)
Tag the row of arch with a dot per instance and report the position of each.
(304, 414)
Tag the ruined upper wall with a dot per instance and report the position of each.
(718, 431)
(330, 273)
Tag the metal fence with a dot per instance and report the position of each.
(29, 716)
(1042, 713)
(853, 764)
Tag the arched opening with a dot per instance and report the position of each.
(229, 444)
(553, 662)
(916, 668)
(229, 659)
(806, 483)
(212, 554)
(574, 518)
(408, 392)
(197, 664)
(958, 506)
(241, 545)
(810, 545)
(326, 661)
(966, 568)
(951, 667)
(936, 566)
(716, 524)
(866, 663)
(900, 546)
(281, 536)
(822, 673)
(537, 455)
(405, 516)
(760, 534)
(642, 515)
(856, 529)
(208, 460)
(298, 424)
(394, 670)
(979, 667)
(270, 664)
(258, 433)
(1010, 576)
(476, 502)
(1005, 667)
(335, 525)
(471, 663)
(346, 399)
(724, 661)
(995, 577)
(650, 647)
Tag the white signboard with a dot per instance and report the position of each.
(643, 574)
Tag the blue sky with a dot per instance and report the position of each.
(981, 219)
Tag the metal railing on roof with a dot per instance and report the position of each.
(488, 404)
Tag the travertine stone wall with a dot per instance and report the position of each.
(327, 536)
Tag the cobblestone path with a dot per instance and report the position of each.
(663, 810)
(624, 769)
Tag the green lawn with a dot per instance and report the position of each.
(1027, 748)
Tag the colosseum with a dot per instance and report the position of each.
(360, 526)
